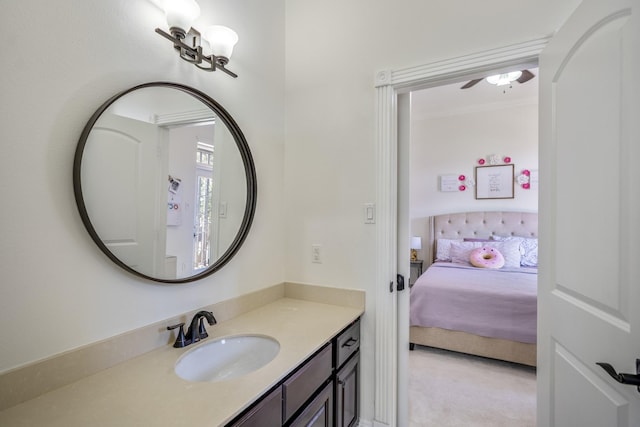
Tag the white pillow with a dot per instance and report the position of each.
(460, 252)
(510, 250)
(528, 249)
(443, 248)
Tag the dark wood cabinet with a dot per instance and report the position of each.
(324, 391)
(297, 389)
(347, 385)
(347, 376)
(266, 413)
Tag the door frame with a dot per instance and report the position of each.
(389, 84)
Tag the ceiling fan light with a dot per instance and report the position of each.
(505, 78)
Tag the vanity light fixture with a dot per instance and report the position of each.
(189, 42)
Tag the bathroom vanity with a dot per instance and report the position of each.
(312, 381)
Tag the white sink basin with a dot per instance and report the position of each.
(227, 358)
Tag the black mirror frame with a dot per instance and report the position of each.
(247, 160)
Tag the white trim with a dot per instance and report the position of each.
(461, 67)
(388, 84)
(183, 117)
(385, 390)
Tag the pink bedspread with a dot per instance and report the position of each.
(491, 303)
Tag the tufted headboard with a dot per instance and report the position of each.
(480, 225)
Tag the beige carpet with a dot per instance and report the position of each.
(450, 389)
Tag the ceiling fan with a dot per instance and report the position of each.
(503, 79)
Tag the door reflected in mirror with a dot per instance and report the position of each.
(165, 182)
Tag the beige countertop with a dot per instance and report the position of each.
(145, 391)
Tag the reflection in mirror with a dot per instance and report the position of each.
(165, 182)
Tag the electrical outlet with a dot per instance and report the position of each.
(316, 254)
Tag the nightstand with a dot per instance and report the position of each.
(417, 266)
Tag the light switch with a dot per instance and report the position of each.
(369, 213)
(316, 253)
(222, 210)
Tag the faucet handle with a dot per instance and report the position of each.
(181, 341)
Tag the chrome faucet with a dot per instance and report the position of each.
(196, 331)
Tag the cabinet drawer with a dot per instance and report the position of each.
(298, 388)
(347, 343)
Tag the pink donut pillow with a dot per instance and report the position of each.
(486, 257)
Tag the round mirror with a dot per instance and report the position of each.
(165, 182)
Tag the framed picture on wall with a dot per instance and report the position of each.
(494, 182)
(449, 183)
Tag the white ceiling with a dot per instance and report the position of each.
(451, 100)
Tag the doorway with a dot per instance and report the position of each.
(392, 139)
(452, 128)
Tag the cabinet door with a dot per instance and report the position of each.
(347, 393)
(267, 413)
(319, 413)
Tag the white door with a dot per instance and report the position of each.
(121, 192)
(589, 297)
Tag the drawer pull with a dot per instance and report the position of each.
(350, 342)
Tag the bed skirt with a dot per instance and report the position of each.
(495, 348)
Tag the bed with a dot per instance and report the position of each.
(485, 312)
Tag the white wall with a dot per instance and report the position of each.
(334, 48)
(452, 144)
(61, 61)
